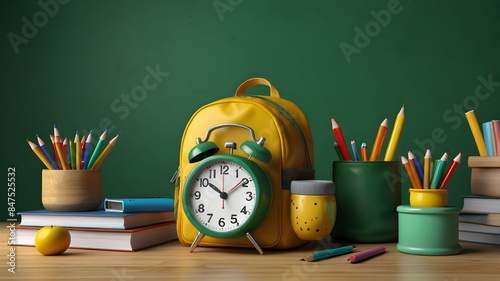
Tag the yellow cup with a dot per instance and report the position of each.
(71, 190)
(312, 208)
(428, 198)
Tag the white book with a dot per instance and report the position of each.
(481, 204)
(475, 227)
(107, 239)
(479, 237)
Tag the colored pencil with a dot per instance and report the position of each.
(337, 150)
(476, 132)
(97, 149)
(88, 148)
(411, 164)
(57, 141)
(411, 175)
(450, 171)
(78, 152)
(66, 153)
(72, 154)
(38, 151)
(357, 257)
(395, 135)
(46, 152)
(340, 140)
(329, 253)
(105, 152)
(438, 171)
(418, 166)
(56, 156)
(379, 140)
(83, 144)
(427, 168)
(364, 155)
(355, 154)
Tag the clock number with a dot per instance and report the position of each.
(245, 182)
(197, 195)
(224, 170)
(234, 219)
(237, 173)
(213, 173)
(244, 210)
(201, 208)
(222, 223)
(204, 182)
(210, 215)
(249, 196)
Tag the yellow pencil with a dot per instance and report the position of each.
(104, 153)
(427, 168)
(396, 133)
(476, 132)
(38, 151)
(379, 140)
(78, 152)
(57, 139)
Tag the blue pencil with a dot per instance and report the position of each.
(355, 153)
(88, 149)
(41, 143)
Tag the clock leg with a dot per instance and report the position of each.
(249, 236)
(196, 241)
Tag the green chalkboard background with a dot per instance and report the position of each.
(83, 64)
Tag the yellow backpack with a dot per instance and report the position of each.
(268, 131)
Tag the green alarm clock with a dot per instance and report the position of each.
(226, 195)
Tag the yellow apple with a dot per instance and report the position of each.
(52, 240)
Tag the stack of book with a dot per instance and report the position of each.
(479, 220)
(119, 226)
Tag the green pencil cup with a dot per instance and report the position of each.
(367, 193)
(428, 231)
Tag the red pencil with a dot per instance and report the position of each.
(450, 171)
(337, 132)
(56, 157)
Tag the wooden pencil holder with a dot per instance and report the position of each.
(71, 190)
(485, 175)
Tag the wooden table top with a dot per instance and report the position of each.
(173, 260)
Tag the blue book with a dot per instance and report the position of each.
(139, 204)
(94, 219)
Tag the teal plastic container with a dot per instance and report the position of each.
(367, 193)
(428, 231)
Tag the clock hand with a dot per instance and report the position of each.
(214, 188)
(244, 180)
(222, 194)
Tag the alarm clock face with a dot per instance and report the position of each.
(222, 196)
